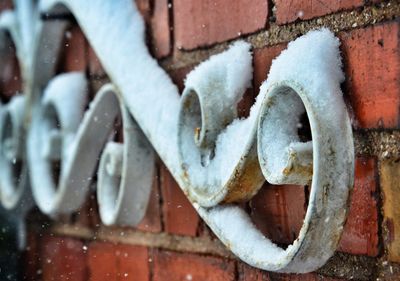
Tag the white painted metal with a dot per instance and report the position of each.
(15, 194)
(14, 179)
(186, 133)
(208, 106)
(126, 170)
(59, 175)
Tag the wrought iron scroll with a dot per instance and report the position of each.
(216, 158)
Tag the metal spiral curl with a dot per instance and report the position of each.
(187, 132)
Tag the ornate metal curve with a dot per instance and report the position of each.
(15, 194)
(126, 170)
(14, 179)
(60, 177)
(327, 161)
(212, 171)
(199, 135)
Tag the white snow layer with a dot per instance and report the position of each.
(315, 65)
(153, 100)
(222, 80)
(314, 61)
(232, 69)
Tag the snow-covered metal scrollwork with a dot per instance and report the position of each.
(216, 158)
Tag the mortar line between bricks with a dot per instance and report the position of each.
(276, 34)
(383, 144)
(380, 216)
(202, 246)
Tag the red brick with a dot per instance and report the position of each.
(63, 258)
(372, 63)
(6, 5)
(178, 76)
(133, 263)
(110, 262)
(245, 103)
(152, 219)
(360, 234)
(10, 75)
(179, 215)
(248, 273)
(31, 258)
(200, 23)
(88, 214)
(102, 262)
(144, 7)
(95, 68)
(156, 15)
(175, 266)
(278, 211)
(160, 29)
(73, 51)
(289, 11)
(262, 60)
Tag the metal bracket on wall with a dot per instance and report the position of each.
(216, 158)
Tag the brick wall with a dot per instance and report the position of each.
(172, 242)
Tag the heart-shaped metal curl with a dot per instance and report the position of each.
(14, 179)
(15, 190)
(208, 106)
(59, 178)
(126, 170)
(304, 78)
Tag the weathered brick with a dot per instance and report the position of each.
(152, 219)
(10, 75)
(6, 5)
(183, 266)
(262, 60)
(73, 55)
(96, 70)
(160, 29)
(63, 258)
(389, 179)
(144, 7)
(111, 262)
(179, 215)
(360, 234)
(200, 23)
(31, 258)
(156, 15)
(248, 273)
(278, 211)
(133, 263)
(88, 214)
(178, 76)
(244, 105)
(289, 11)
(102, 262)
(372, 64)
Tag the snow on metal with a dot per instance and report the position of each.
(126, 170)
(216, 158)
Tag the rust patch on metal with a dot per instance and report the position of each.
(197, 133)
(245, 183)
